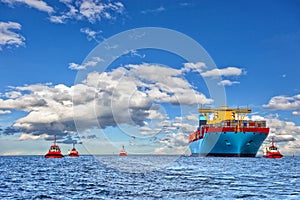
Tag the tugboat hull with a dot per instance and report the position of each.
(53, 156)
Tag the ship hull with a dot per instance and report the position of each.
(73, 155)
(228, 144)
(273, 156)
(53, 155)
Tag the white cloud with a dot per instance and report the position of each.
(284, 103)
(135, 53)
(296, 112)
(37, 4)
(193, 117)
(90, 10)
(155, 115)
(175, 139)
(229, 71)
(92, 35)
(9, 37)
(12, 153)
(12, 94)
(256, 118)
(194, 67)
(228, 82)
(126, 95)
(5, 112)
(90, 63)
(164, 84)
(32, 137)
(280, 127)
(286, 134)
(156, 10)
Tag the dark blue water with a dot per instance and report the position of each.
(132, 177)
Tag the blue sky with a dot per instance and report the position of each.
(44, 46)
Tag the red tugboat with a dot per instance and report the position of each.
(123, 152)
(54, 151)
(272, 151)
(73, 152)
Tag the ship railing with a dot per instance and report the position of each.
(197, 134)
(242, 123)
(237, 125)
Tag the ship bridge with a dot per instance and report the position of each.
(217, 115)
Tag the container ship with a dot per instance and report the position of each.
(225, 132)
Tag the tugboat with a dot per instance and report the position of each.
(123, 152)
(272, 151)
(54, 151)
(73, 152)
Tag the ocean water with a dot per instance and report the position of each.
(149, 177)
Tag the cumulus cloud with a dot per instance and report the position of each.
(91, 63)
(126, 95)
(169, 135)
(90, 10)
(12, 94)
(8, 37)
(228, 82)
(164, 84)
(280, 127)
(32, 137)
(229, 71)
(194, 67)
(173, 140)
(286, 134)
(37, 4)
(284, 103)
(296, 112)
(5, 112)
(48, 108)
(201, 68)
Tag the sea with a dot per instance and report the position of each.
(149, 177)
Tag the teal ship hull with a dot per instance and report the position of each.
(229, 143)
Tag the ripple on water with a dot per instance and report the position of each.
(34, 177)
